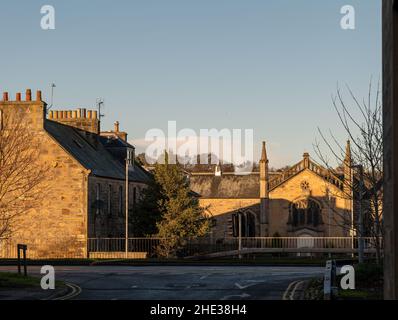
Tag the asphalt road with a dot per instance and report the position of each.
(180, 282)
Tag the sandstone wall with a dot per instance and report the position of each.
(281, 199)
(57, 227)
(222, 209)
(107, 216)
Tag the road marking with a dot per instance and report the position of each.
(76, 290)
(294, 289)
(253, 283)
(286, 293)
(243, 296)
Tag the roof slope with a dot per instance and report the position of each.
(89, 151)
(228, 186)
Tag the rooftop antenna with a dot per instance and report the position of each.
(100, 103)
(52, 85)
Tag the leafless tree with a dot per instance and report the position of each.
(22, 174)
(362, 122)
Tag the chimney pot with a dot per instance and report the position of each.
(74, 114)
(5, 96)
(117, 126)
(95, 115)
(18, 96)
(89, 114)
(51, 115)
(38, 95)
(28, 95)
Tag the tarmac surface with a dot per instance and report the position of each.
(179, 282)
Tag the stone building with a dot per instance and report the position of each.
(305, 200)
(85, 191)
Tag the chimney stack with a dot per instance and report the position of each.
(38, 95)
(28, 95)
(5, 96)
(18, 96)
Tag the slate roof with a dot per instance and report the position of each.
(88, 149)
(228, 186)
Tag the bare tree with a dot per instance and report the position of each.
(21, 171)
(362, 122)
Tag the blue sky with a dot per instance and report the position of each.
(269, 65)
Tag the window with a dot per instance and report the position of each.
(109, 203)
(134, 195)
(97, 198)
(120, 200)
(306, 213)
(248, 227)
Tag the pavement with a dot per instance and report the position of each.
(34, 293)
(180, 282)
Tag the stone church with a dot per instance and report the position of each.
(85, 189)
(305, 200)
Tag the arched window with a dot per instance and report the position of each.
(306, 213)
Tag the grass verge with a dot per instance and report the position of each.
(368, 285)
(15, 280)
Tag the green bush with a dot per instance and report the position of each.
(368, 272)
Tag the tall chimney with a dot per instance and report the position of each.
(28, 95)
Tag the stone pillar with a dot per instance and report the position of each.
(390, 115)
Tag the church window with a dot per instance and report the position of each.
(305, 186)
(248, 225)
(306, 213)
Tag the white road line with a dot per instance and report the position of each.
(294, 289)
(76, 290)
(253, 283)
(286, 293)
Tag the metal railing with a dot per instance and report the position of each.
(139, 245)
(318, 244)
(147, 247)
